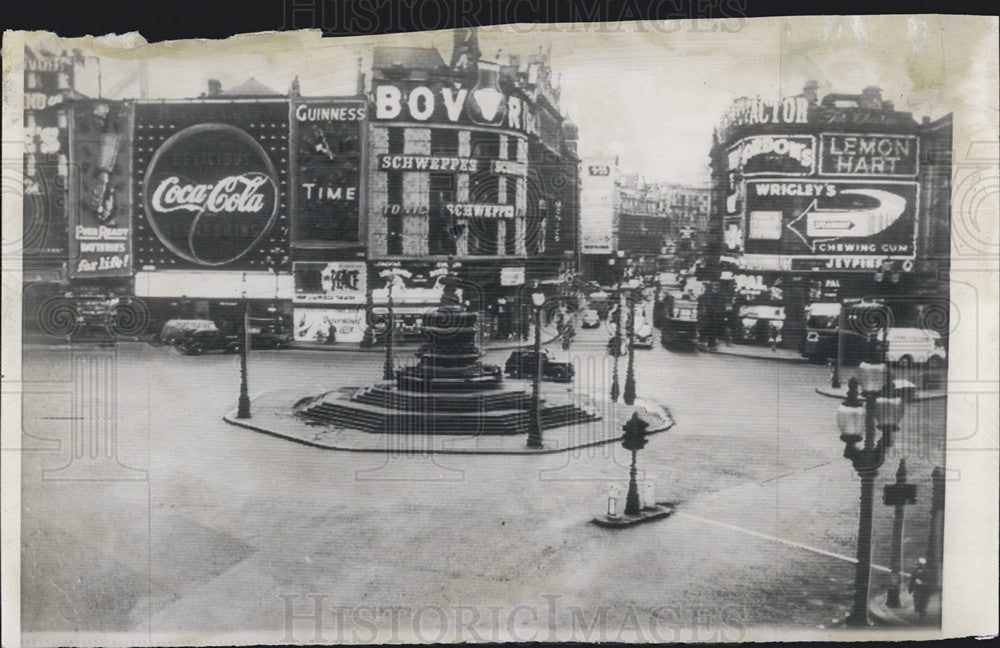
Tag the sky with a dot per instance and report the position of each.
(650, 93)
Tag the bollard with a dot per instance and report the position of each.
(897, 495)
(647, 494)
(614, 500)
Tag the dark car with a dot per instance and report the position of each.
(522, 363)
(176, 329)
(203, 338)
(269, 333)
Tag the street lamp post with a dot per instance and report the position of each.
(390, 328)
(835, 374)
(243, 406)
(629, 395)
(620, 261)
(857, 421)
(535, 420)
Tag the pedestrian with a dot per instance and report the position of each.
(920, 588)
(773, 336)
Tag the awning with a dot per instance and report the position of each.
(407, 309)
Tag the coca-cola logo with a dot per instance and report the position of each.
(211, 194)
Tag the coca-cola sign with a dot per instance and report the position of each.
(211, 194)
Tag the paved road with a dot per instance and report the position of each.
(220, 523)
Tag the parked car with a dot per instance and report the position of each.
(910, 346)
(759, 320)
(643, 336)
(202, 337)
(269, 333)
(175, 329)
(522, 363)
(822, 322)
(590, 318)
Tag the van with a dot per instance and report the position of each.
(910, 346)
(822, 321)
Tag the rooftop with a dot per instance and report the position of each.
(412, 58)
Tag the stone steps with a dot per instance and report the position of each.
(417, 401)
(372, 418)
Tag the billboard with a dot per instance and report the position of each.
(336, 282)
(100, 202)
(597, 203)
(210, 184)
(482, 104)
(47, 79)
(329, 325)
(854, 155)
(327, 138)
(773, 155)
(831, 219)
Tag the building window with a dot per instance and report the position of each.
(444, 141)
(442, 230)
(510, 237)
(485, 145)
(396, 138)
(394, 221)
(484, 187)
(483, 236)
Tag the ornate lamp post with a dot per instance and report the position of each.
(857, 423)
(535, 420)
(634, 440)
(629, 395)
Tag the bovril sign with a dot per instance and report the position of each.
(210, 194)
(423, 103)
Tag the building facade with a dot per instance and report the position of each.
(469, 164)
(654, 223)
(832, 199)
(302, 206)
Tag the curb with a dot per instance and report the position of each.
(884, 616)
(921, 395)
(754, 356)
(407, 347)
(298, 346)
(231, 419)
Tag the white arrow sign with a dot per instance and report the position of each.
(831, 224)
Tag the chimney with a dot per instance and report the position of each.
(214, 87)
(809, 91)
(871, 98)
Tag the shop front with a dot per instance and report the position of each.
(329, 301)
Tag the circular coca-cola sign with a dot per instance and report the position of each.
(211, 194)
